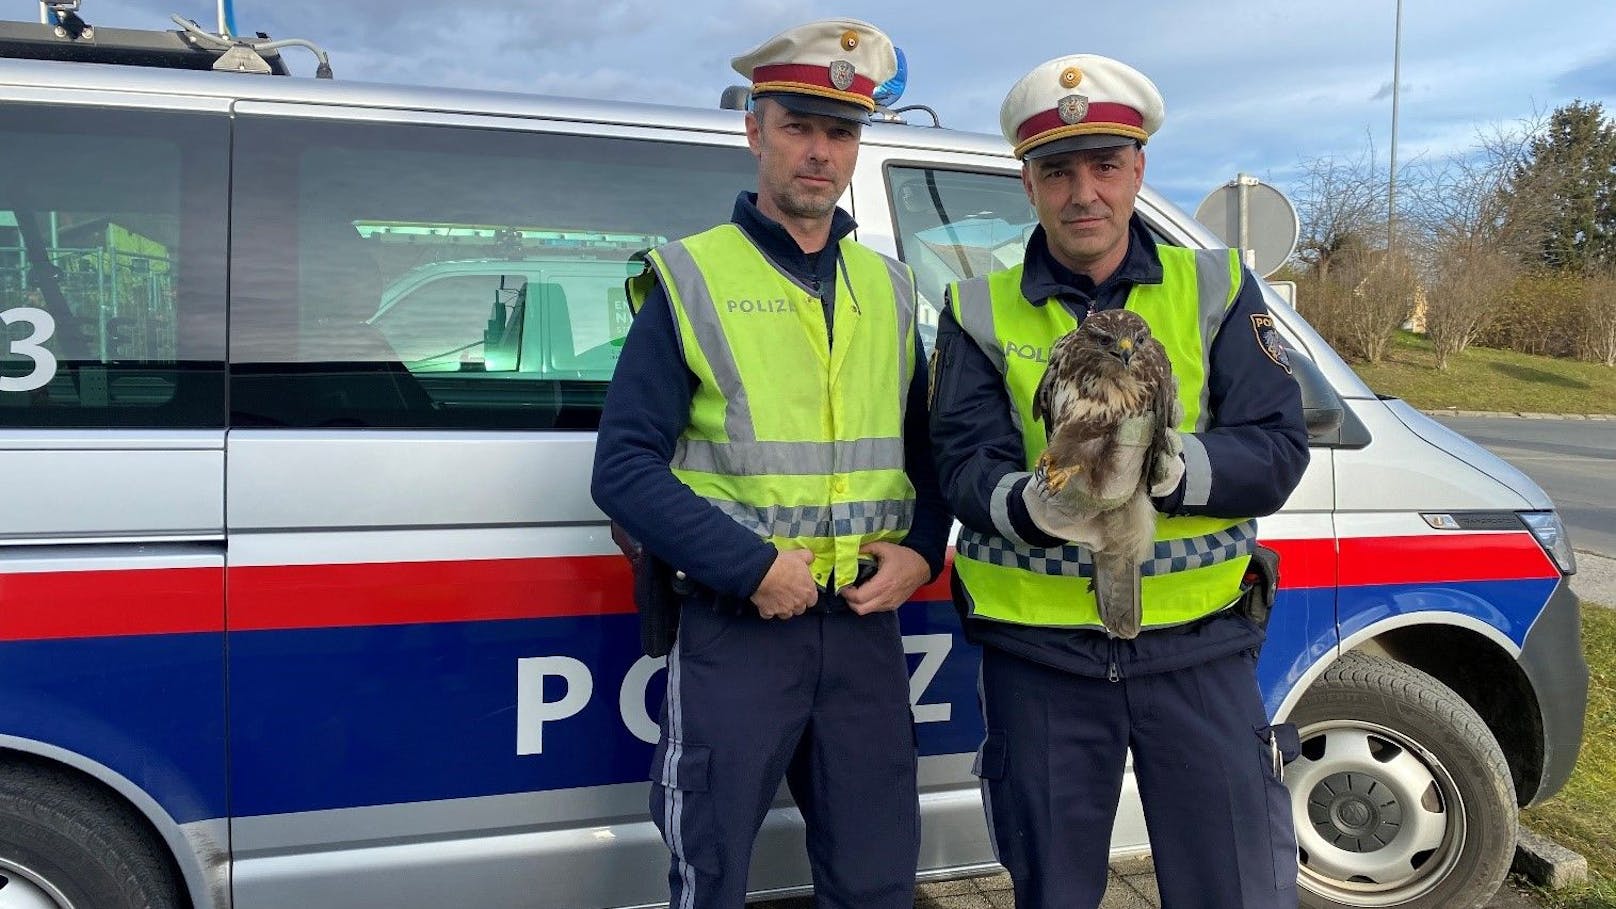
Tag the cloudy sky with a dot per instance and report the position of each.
(1252, 86)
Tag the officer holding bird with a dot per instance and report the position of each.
(1108, 509)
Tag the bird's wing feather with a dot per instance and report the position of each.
(1164, 404)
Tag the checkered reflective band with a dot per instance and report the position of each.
(1075, 561)
(839, 519)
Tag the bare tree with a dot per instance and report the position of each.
(1466, 200)
(1363, 302)
(1599, 310)
(1341, 204)
(1383, 288)
(1469, 287)
(1469, 231)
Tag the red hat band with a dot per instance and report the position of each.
(1100, 113)
(806, 78)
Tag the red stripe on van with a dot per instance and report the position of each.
(399, 593)
(91, 604)
(1304, 563)
(88, 604)
(1438, 557)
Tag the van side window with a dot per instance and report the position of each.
(416, 276)
(953, 225)
(112, 268)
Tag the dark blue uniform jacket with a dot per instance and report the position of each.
(1245, 464)
(648, 406)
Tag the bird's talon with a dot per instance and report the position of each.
(1059, 477)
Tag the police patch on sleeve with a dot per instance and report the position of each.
(1262, 324)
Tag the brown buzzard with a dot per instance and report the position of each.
(1109, 404)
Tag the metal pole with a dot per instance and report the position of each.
(224, 20)
(1243, 198)
(44, 13)
(1391, 184)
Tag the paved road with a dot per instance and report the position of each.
(1133, 886)
(1573, 460)
(1575, 463)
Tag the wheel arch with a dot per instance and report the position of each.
(199, 851)
(1471, 657)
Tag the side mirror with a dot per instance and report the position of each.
(736, 97)
(1322, 409)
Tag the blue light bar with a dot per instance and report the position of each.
(888, 92)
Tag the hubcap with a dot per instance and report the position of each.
(1378, 817)
(1353, 811)
(21, 888)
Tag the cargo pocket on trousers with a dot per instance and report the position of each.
(681, 805)
(989, 767)
(1277, 746)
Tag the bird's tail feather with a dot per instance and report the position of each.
(1116, 589)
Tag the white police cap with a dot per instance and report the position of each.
(1080, 101)
(831, 67)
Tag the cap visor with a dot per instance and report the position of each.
(1079, 143)
(814, 105)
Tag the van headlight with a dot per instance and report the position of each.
(1551, 535)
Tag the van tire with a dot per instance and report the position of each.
(1416, 751)
(77, 845)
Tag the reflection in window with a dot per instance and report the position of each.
(390, 275)
(111, 268)
(954, 225)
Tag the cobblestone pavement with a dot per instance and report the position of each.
(1133, 886)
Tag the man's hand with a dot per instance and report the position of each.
(899, 572)
(1168, 470)
(1061, 516)
(788, 589)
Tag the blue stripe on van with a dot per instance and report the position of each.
(340, 717)
(150, 707)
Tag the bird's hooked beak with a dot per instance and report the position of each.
(1125, 350)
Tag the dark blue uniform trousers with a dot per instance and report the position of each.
(1052, 767)
(821, 700)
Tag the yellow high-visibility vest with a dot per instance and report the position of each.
(796, 438)
(1199, 562)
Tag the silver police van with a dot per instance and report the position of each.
(303, 600)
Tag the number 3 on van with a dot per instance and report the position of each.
(44, 361)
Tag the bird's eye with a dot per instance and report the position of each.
(1101, 336)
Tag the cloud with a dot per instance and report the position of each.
(1596, 78)
(1252, 86)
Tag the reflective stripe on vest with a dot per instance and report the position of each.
(1199, 562)
(795, 438)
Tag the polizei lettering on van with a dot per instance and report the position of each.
(781, 306)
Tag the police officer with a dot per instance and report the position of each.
(765, 433)
(1063, 701)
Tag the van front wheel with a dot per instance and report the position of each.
(1401, 796)
(64, 845)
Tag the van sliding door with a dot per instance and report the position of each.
(436, 690)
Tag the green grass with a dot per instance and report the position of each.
(1582, 817)
(1599, 895)
(1486, 379)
